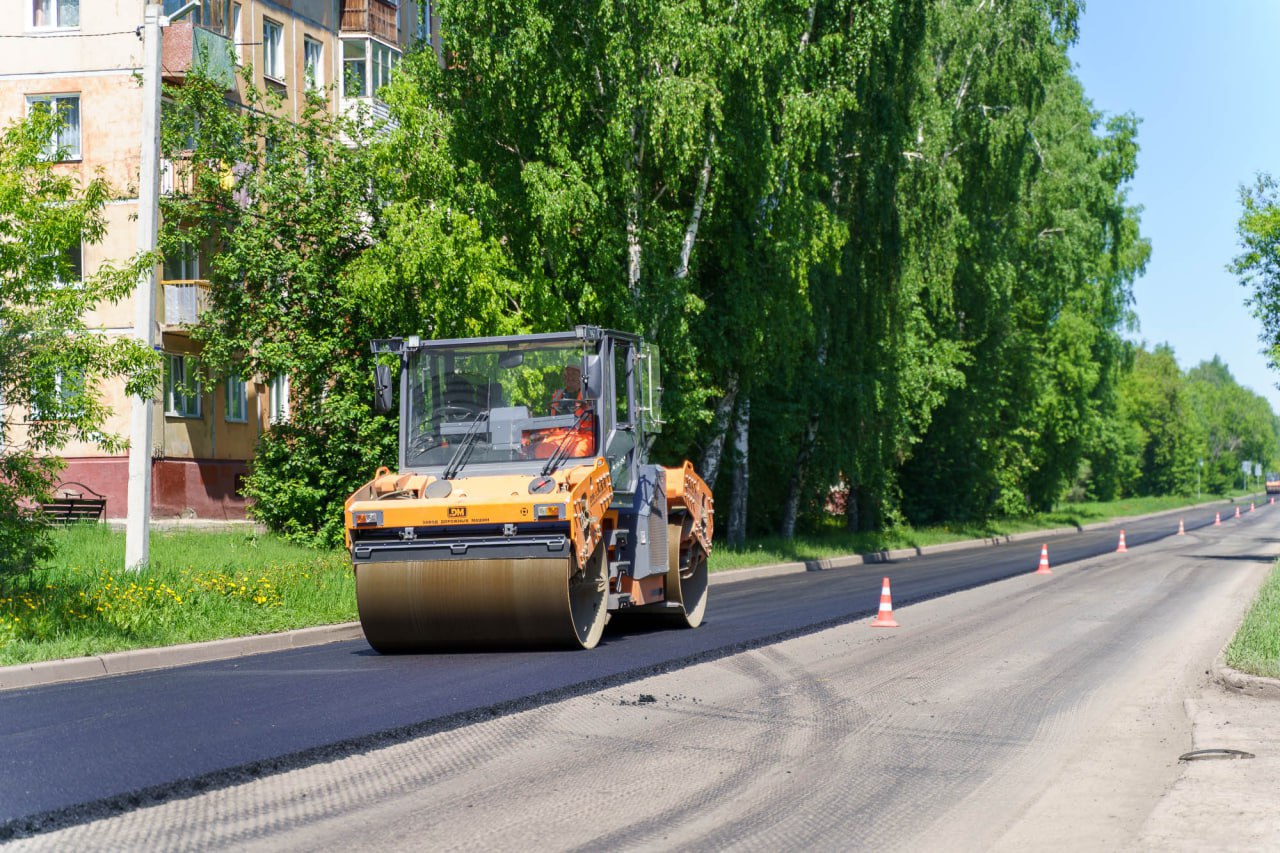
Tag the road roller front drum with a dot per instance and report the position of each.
(424, 605)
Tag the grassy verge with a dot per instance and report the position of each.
(201, 585)
(1256, 646)
(206, 585)
(836, 542)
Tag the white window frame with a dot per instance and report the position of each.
(363, 61)
(237, 401)
(180, 369)
(62, 138)
(377, 62)
(279, 399)
(273, 50)
(237, 42)
(313, 71)
(55, 8)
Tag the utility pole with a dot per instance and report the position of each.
(137, 542)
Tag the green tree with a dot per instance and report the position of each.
(320, 249)
(1155, 400)
(1258, 263)
(52, 367)
(1238, 425)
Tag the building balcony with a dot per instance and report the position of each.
(179, 175)
(184, 302)
(375, 17)
(187, 47)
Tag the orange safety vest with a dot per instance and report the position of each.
(583, 444)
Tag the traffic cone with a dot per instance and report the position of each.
(1121, 549)
(1217, 519)
(1270, 501)
(884, 619)
(1181, 532)
(1250, 506)
(1237, 512)
(1044, 561)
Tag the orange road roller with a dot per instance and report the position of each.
(524, 510)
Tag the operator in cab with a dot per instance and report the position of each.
(578, 440)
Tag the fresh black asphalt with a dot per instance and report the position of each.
(80, 750)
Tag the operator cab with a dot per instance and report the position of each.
(501, 404)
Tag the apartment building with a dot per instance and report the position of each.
(84, 58)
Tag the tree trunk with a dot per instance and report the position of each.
(737, 533)
(791, 510)
(633, 211)
(851, 509)
(709, 466)
(695, 216)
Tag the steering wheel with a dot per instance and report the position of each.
(454, 412)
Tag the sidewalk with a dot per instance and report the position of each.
(1225, 803)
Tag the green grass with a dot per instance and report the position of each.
(201, 585)
(206, 585)
(1256, 646)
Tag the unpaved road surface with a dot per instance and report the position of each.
(1033, 713)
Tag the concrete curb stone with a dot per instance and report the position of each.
(140, 660)
(1235, 681)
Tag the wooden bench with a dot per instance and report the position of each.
(74, 502)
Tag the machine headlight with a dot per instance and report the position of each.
(369, 518)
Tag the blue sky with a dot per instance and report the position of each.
(1204, 78)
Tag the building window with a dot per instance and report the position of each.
(384, 59)
(51, 14)
(312, 53)
(354, 69)
(181, 387)
(63, 398)
(182, 264)
(272, 49)
(237, 401)
(64, 144)
(70, 272)
(423, 30)
(279, 399)
(236, 41)
(366, 67)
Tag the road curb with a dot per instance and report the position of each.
(1235, 681)
(142, 660)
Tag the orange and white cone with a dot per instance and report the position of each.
(1250, 506)
(1217, 519)
(1270, 501)
(1181, 532)
(1121, 548)
(1237, 512)
(1044, 561)
(884, 619)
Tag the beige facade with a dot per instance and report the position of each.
(86, 56)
